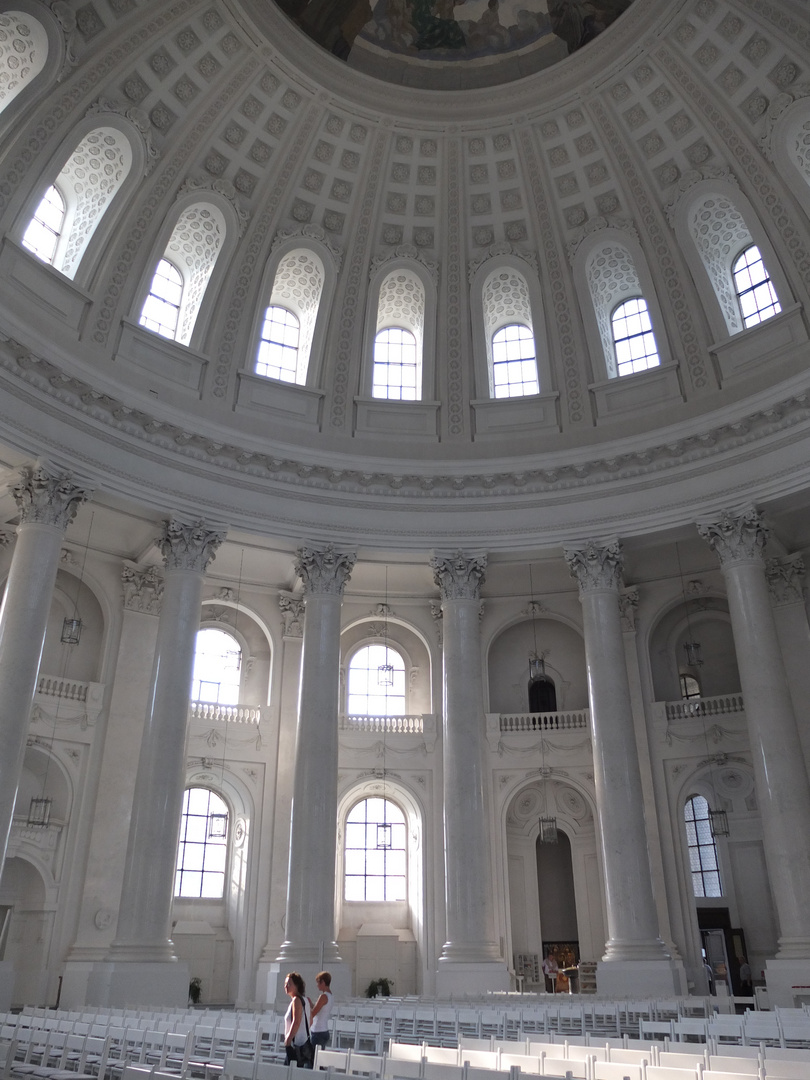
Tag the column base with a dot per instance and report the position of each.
(454, 978)
(271, 976)
(788, 982)
(640, 978)
(119, 983)
(8, 979)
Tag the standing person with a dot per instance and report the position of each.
(550, 970)
(745, 976)
(321, 1010)
(707, 967)
(296, 1023)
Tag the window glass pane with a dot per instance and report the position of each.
(514, 364)
(201, 857)
(755, 291)
(702, 848)
(395, 367)
(162, 307)
(372, 692)
(633, 339)
(217, 668)
(45, 228)
(377, 871)
(277, 357)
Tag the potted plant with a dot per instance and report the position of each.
(379, 987)
(195, 990)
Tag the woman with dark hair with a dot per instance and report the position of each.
(296, 1022)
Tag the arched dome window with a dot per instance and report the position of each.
(542, 695)
(217, 667)
(398, 341)
(193, 249)
(511, 348)
(279, 346)
(702, 849)
(376, 682)
(755, 292)
(23, 53)
(43, 233)
(633, 338)
(202, 852)
(375, 853)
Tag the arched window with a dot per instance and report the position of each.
(278, 350)
(375, 852)
(395, 365)
(755, 292)
(23, 53)
(690, 688)
(514, 364)
(396, 372)
(192, 250)
(45, 228)
(702, 849)
(376, 682)
(633, 338)
(511, 348)
(203, 850)
(161, 308)
(217, 668)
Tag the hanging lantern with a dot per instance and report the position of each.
(385, 675)
(71, 631)
(217, 826)
(39, 812)
(718, 822)
(537, 667)
(548, 830)
(384, 838)
(693, 657)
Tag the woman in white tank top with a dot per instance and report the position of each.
(322, 1010)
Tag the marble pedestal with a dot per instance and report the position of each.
(640, 978)
(118, 983)
(270, 983)
(455, 979)
(788, 982)
(8, 978)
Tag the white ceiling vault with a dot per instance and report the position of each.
(233, 101)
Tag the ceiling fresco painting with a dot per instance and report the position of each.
(452, 31)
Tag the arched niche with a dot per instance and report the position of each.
(74, 598)
(508, 665)
(255, 641)
(706, 621)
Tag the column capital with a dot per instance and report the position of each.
(188, 545)
(292, 615)
(596, 567)
(459, 577)
(47, 496)
(324, 572)
(786, 579)
(736, 538)
(142, 588)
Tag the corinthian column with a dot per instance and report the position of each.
(783, 791)
(310, 924)
(471, 956)
(635, 960)
(142, 950)
(48, 502)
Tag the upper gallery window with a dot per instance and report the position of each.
(217, 667)
(287, 333)
(633, 338)
(755, 292)
(278, 350)
(376, 682)
(161, 310)
(398, 341)
(514, 364)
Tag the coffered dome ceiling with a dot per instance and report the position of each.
(602, 155)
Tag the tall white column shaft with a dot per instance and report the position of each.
(631, 914)
(144, 917)
(310, 923)
(471, 936)
(783, 790)
(48, 502)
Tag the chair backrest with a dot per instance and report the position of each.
(525, 1062)
(665, 1072)
(365, 1064)
(576, 1052)
(442, 1055)
(682, 1059)
(471, 1042)
(432, 1070)
(715, 1074)
(783, 1068)
(479, 1059)
(405, 1051)
(401, 1067)
(741, 1065)
(616, 1070)
(783, 1054)
(271, 1070)
(330, 1059)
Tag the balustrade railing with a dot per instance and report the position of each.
(67, 689)
(390, 725)
(231, 714)
(570, 720)
(719, 705)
